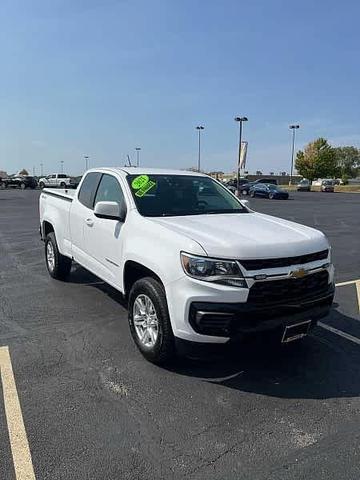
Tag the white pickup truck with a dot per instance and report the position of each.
(197, 266)
(56, 180)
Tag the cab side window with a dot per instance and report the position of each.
(109, 190)
(88, 189)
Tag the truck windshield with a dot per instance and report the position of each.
(177, 195)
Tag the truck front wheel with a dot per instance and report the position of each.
(149, 321)
(58, 265)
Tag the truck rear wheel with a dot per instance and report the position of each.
(149, 321)
(42, 185)
(58, 265)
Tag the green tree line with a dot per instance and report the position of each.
(320, 160)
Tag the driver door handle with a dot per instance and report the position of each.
(89, 222)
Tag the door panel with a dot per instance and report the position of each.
(103, 237)
(81, 210)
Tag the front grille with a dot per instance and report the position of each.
(292, 289)
(283, 262)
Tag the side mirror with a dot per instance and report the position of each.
(110, 211)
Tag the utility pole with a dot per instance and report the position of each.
(86, 162)
(41, 169)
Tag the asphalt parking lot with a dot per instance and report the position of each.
(93, 408)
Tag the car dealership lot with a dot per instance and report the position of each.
(94, 408)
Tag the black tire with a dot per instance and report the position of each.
(271, 196)
(42, 185)
(245, 192)
(163, 350)
(62, 185)
(3, 185)
(22, 186)
(62, 264)
(252, 194)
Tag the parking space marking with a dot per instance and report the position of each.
(349, 282)
(358, 292)
(357, 286)
(20, 450)
(339, 332)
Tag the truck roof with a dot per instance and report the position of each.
(150, 171)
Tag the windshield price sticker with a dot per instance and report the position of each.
(142, 184)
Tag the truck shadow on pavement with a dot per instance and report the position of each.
(320, 366)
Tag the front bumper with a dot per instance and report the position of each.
(236, 320)
(238, 313)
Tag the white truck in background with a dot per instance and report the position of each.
(56, 180)
(197, 266)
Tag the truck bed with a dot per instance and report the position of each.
(65, 193)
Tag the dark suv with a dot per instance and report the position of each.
(19, 181)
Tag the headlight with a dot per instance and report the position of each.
(225, 272)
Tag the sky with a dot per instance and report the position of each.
(101, 77)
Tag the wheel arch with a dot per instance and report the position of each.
(133, 271)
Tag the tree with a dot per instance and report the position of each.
(258, 172)
(23, 172)
(348, 161)
(318, 160)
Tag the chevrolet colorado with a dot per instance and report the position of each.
(197, 266)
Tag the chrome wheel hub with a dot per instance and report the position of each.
(145, 319)
(50, 256)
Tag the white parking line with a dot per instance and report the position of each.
(358, 292)
(352, 282)
(343, 284)
(339, 332)
(17, 434)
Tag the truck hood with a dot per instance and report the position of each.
(247, 235)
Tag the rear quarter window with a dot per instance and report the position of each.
(88, 189)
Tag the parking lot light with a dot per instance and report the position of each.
(199, 128)
(138, 156)
(293, 128)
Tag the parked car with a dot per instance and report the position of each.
(76, 181)
(19, 181)
(196, 266)
(232, 184)
(269, 191)
(304, 185)
(327, 186)
(245, 189)
(57, 180)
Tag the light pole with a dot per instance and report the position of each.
(86, 162)
(240, 120)
(41, 169)
(293, 128)
(137, 156)
(62, 166)
(199, 128)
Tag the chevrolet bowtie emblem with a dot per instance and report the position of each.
(301, 273)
